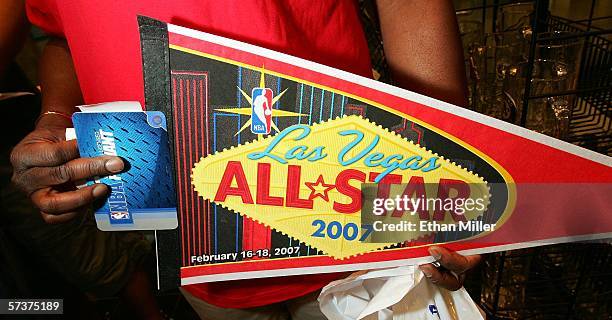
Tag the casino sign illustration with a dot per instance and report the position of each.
(305, 180)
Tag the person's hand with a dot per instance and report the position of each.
(45, 167)
(451, 273)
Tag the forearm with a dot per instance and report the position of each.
(59, 83)
(13, 30)
(423, 47)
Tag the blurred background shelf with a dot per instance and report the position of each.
(545, 65)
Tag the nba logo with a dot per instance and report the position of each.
(261, 111)
(120, 215)
(434, 310)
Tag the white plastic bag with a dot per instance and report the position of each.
(401, 293)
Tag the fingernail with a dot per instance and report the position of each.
(435, 253)
(99, 190)
(114, 165)
(425, 271)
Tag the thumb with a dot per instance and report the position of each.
(453, 261)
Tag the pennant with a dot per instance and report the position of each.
(284, 165)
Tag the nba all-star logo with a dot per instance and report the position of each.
(262, 112)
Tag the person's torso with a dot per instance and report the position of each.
(104, 41)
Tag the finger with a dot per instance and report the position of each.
(46, 154)
(52, 202)
(75, 170)
(454, 261)
(444, 279)
(61, 218)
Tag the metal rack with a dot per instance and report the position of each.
(591, 113)
(591, 120)
(569, 281)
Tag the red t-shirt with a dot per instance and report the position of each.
(104, 41)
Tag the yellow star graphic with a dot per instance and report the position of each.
(247, 111)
